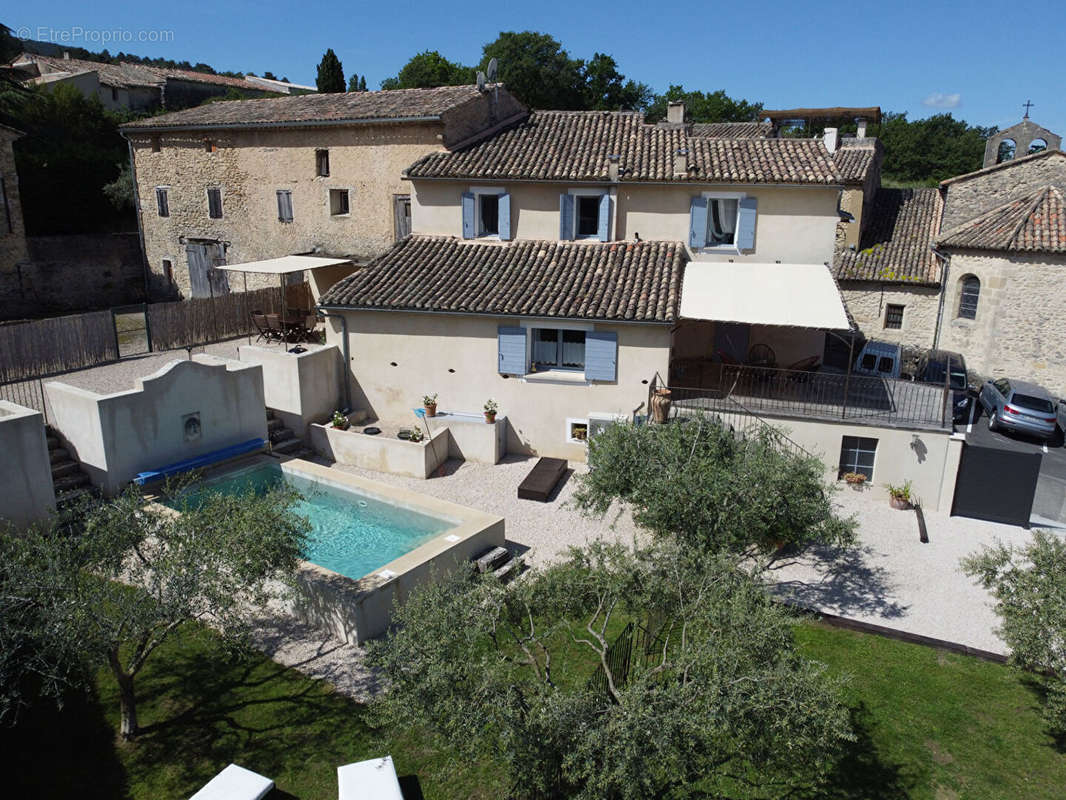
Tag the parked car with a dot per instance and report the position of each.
(879, 359)
(936, 366)
(1019, 406)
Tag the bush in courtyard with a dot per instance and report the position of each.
(696, 481)
(715, 701)
(1029, 584)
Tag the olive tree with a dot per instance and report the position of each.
(132, 575)
(1029, 584)
(715, 701)
(697, 481)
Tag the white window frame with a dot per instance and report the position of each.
(585, 191)
(568, 376)
(478, 191)
(722, 248)
(556, 368)
(569, 430)
(329, 201)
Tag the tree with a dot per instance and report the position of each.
(269, 76)
(930, 150)
(532, 677)
(353, 83)
(704, 107)
(120, 192)
(330, 77)
(1029, 584)
(607, 89)
(696, 481)
(134, 576)
(537, 69)
(362, 84)
(427, 70)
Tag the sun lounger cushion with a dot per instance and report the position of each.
(235, 783)
(541, 479)
(368, 780)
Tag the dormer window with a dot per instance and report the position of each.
(588, 218)
(486, 213)
(488, 217)
(585, 214)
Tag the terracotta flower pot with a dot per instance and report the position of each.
(490, 417)
(899, 503)
(431, 409)
(660, 405)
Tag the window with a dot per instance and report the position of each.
(168, 270)
(114, 94)
(284, 205)
(7, 209)
(1006, 151)
(1037, 146)
(155, 144)
(322, 163)
(488, 217)
(893, 316)
(857, 455)
(722, 221)
(214, 203)
(209, 145)
(969, 293)
(558, 349)
(588, 217)
(162, 203)
(338, 202)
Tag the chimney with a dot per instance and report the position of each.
(831, 137)
(675, 112)
(681, 163)
(861, 132)
(612, 167)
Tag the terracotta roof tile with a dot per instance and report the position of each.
(575, 145)
(126, 74)
(1035, 223)
(731, 130)
(623, 281)
(331, 107)
(896, 246)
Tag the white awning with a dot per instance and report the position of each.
(797, 295)
(285, 264)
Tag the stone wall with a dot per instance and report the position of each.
(868, 300)
(972, 197)
(1022, 135)
(12, 230)
(249, 167)
(1020, 327)
(64, 274)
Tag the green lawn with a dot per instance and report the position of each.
(931, 724)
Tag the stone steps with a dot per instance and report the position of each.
(500, 562)
(64, 469)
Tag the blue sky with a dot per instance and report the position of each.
(972, 58)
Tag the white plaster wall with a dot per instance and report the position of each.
(116, 436)
(302, 387)
(456, 357)
(381, 453)
(27, 495)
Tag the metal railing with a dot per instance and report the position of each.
(823, 395)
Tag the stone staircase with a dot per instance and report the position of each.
(69, 480)
(283, 441)
(500, 562)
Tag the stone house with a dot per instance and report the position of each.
(240, 181)
(12, 231)
(566, 264)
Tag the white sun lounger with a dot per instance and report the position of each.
(235, 783)
(368, 780)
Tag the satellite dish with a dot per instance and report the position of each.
(490, 70)
(480, 81)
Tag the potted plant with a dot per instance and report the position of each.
(490, 411)
(339, 421)
(900, 496)
(660, 405)
(430, 404)
(854, 479)
(417, 435)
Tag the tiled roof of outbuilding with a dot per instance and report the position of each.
(397, 104)
(855, 157)
(575, 145)
(1035, 223)
(896, 247)
(126, 74)
(622, 281)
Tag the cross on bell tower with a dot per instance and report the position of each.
(1027, 105)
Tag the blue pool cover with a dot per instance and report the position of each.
(200, 461)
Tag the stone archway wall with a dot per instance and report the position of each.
(1023, 134)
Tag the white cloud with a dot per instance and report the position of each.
(941, 100)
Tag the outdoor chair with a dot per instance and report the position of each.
(262, 326)
(762, 355)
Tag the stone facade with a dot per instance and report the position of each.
(1020, 327)
(969, 196)
(1023, 135)
(12, 230)
(868, 303)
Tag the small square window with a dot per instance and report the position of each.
(322, 163)
(155, 144)
(488, 215)
(857, 454)
(209, 145)
(214, 203)
(338, 202)
(894, 316)
(588, 216)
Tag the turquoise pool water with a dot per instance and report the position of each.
(351, 533)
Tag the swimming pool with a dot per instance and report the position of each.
(352, 533)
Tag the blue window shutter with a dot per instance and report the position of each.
(469, 231)
(505, 217)
(604, 231)
(697, 227)
(601, 356)
(512, 349)
(566, 216)
(746, 223)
